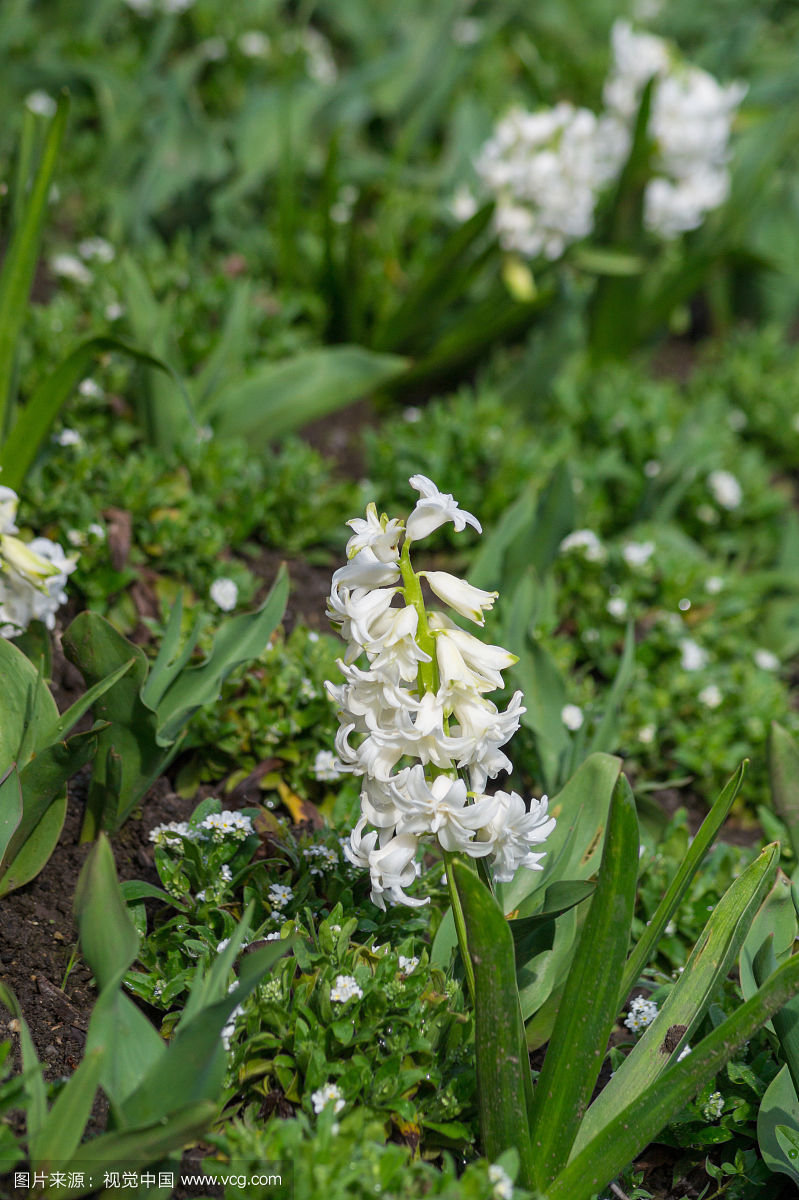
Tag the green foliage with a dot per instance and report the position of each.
(37, 759)
(148, 710)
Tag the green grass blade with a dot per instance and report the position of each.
(783, 769)
(589, 1005)
(680, 883)
(20, 262)
(504, 1081)
(709, 963)
(639, 1123)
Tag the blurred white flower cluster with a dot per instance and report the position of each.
(32, 574)
(416, 723)
(546, 170)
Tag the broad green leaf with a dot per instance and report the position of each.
(75, 711)
(21, 255)
(283, 396)
(108, 939)
(779, 1109)
(777, 916)
(639, 1123)
(680, 883)
(574, 847)
(589, 1005)
(26, 706)
(60, 1135)
(228, 352)
(10, 806)
(504, 1082)
(786, 1021)
(688, 1001)
(118, 1022)
(168, 663)
(238, 640)
(783, 766)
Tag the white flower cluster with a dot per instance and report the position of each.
(32, 574)
(416, 723)
(216, 827)
(641, 1014)
(345, 988)
(329, 1093)
(713, 1107)
(547, 169)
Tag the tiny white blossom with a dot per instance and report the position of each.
(97, 531)
(224, 593)
(617, 607)
(345, 988)
(69, 266)
(327, 767)
(221, 825)
(711, 696)
(114, 311)
(280, 895)
(642, 1013)
(637, 554)
(586, 541)
(463, 204)
(328, 1094)
(254, 44)
(502, 1183)
(96, 247)
(90, 389)
(713, 1107)
(652, 468)
(726, 489)
(646, 734)
(170, 834)
(766, 660)
(409, 964)
(67, 437)
(41, 103)
(692, 656)
(572, 717)
(714, 584)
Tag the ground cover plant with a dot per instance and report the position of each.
(399, 600)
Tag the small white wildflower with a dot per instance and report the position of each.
(213, 49)
(224, 593)
(646, 734)
(652, 468)
(408, 964)
(273, 937)
(617, 607)
(170, 834)
(67, 437)
(711, 696)
(766, 660)
(69, 266)
(707, 514)
(90, 389)
(463, 204)
(75, 537)
(313, 636)
(223, 945)
(225, 874)
(326, 767)
(254, 44)
(692, 656)
(411, 415)
(157, 989)
(671, 929)
(41, 103)
(96, 531)
(114, 311)
(726, 489)
(586, 541)
(714, 1107)
(221, 825)
(345, 988)
(642, 1013)
(201, 896)
(96, 247)
(572, 717)
(307, 690)
(737, 420)
(637, 554)
(280, 895)
(502, 1182)
(714, 584)
(467, 31)
(329, 1094)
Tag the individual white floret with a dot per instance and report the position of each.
(641, 1013)
(329, 1093)
(224, 593)
(345, 988)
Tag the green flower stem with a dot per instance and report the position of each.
(428, 671)
(460, 923)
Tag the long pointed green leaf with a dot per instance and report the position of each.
(60, 1135)
(504, 1081)
(108, 937)
(637, 1124)
(20, 261)
(679, 885)
(589, 1006)
(35, 1087)
(118, 1022)
(783, 767)
(75, 711)
(689, 999)
(10, 807)
(238, 640)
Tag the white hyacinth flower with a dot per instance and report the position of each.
(434, 509)
(467, 600)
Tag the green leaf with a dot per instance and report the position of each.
(680, 883)
(60, 1135)
(116, 1021)
(238, 640)
(589, 1005)
(783, 766)
(21, 256)
(779, 1110)
(283, 396)
(35, 1087)
(639, 1123)
(27, 709)
(689, 999)
(108, 938)
(10, 807)
(75, 711)
(504, 1082)
(36, 417)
